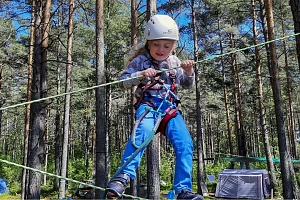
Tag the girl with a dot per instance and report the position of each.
(161, 33)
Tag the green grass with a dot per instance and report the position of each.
(8, 196)
(47, 193)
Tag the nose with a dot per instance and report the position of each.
(161, 48)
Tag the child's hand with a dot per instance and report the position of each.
(150, 72)
(187, 67)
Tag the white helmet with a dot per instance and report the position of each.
(161, 27)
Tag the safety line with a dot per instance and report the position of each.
(233, 155)
(60, 177)
(119, 81)
(253, 46)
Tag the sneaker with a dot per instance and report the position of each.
(187, 194)
(117, 186)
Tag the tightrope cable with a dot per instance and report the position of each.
(119, 81)
(60, 177)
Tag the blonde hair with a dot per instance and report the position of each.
(134, 52)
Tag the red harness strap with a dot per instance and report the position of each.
(170, 113)
(146, 87)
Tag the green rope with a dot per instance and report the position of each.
(249, 47)
(60, 177)
(50, 174)
(253, 159)
(119, 81)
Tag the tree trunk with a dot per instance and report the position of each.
(256, 140)
(39, 88)
(211, 136)
(153, 156)
(225, 97)
(94, 153)
(218, 137)
(262, 115)
(27, 115)
(286, 167)
(134, 33)
(239, 124)
(45, 39)
(291, 124)
(58, 134)
(108, 112)
(295, 7)
(101, 139)
(46, 145)
(87, 133)
(151, 8)
(201, 189)
(66, 127)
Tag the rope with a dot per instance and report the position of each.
(119, 81)
(136, 124)
(60, 177)
(50, 174)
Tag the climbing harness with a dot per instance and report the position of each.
(146, 98)
(150, 86)
(170, 98)
(164, 118)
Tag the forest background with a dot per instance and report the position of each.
(63, 113)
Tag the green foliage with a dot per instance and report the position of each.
(211, 186)
(215, 168)
(48, 192)
(77, 171)
(167, 170)
(15, 187)
(12, 175)
(115, 161)
(258, 165)
(296, 169)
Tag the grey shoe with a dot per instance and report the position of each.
(187, 194)
(116, 187)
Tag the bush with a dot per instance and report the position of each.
(13, 176)
(77, 171)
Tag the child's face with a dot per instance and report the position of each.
(160, 49)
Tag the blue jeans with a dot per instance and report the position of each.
(178, 135)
